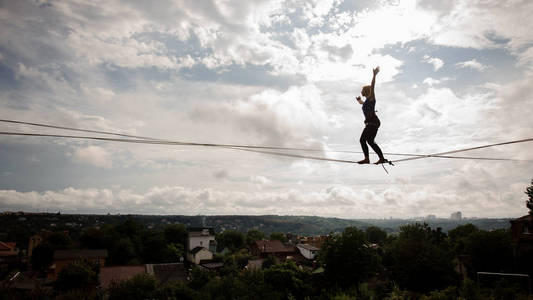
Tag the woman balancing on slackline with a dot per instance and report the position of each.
(371, 122)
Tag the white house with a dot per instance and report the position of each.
(201, 244)
(308, 251)
(198, 254)
(201, 237)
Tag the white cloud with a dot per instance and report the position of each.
(431, 81)
(435, 61)
(123, 67)
(260, 181)
(405, 200)
(474, 64)
(270, 117)
(93, 155)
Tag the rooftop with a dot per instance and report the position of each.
(273, 246)
(118, 273)
(308, 247)
(167, 272)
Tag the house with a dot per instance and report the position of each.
(25, 282)
(316, 241)
(64, 257)
(308, 251)
(8, 249)
(522, 239)
(264, 248)
(34, 241)
(118, 273)
(255, 264)
(522, 230)
(167, 273)
(212, 266)
(201, 244)
(199, 254)
(201, 237)
(8, 255)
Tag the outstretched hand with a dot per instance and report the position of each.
(376, 71)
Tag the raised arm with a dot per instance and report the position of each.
(375, 71)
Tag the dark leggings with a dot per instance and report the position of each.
(368, 135)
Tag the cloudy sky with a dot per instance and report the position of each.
(454, 74)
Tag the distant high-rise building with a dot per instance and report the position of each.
(456, 216)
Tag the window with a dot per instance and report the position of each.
(525, 229)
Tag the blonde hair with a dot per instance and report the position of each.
(366, 90)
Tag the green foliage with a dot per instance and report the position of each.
(42, 256)
(449, 293)
(177, 250)
(375, 235)
(529, 193)
(421, 258)
(344, 296)
(254, 235)
(140, 287)
(155, 248)
(347, 258)
(80, 295)
(176, 291)
(175, 234)
(460, 236)
(92, 238)
(491, 251)
(59, 240)
(289, 279)
(278, 236)
(123, 252)
(231, 239)
(81, 275)
(269, 261)
(397, 294)
(199, 278)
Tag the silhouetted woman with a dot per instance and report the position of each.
(371, 122)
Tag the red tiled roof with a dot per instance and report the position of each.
(118, 273)
(273, 246)
(7, 246)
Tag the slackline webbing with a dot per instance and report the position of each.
(253, 149)
(249, 148)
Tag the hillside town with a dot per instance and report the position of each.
(102, 261)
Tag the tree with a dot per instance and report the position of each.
(176, 234)
(254, 235)
(59, 240)
(491, 251)
(42, 256)
(141, 286)
(278, 236)
(347, 258)
(421, 258)
(268, 262)
(459, 237)
(93, 238)
(231, 239)
(375, 235)
(155, 249)
(289, 279)
(529, 193)
(81, 275)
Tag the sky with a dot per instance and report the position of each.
(454, 74)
